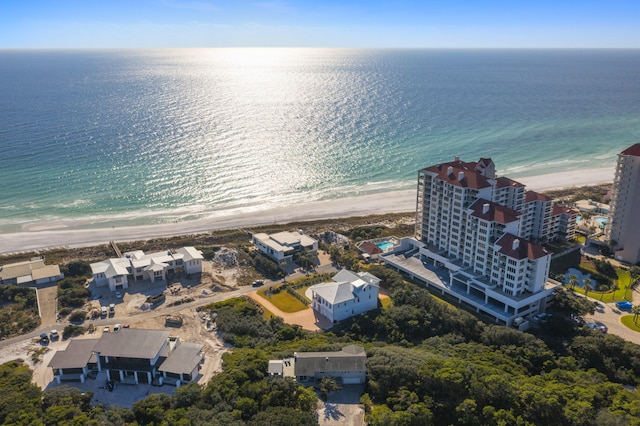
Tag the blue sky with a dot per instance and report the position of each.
(319, 23)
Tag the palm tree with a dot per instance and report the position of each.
(602, 288)
(635, 311)
(634, 274)
(573, 280)
(614, 287)
(587, 286)
(306, 257)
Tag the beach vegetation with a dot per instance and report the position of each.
(18, 310)
(78, 316)
(76, 268)
(73, 292)
(72, 330)
(427, 364)
(591, 192)
(265, 266)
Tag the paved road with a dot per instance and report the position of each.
(610, 316)
(161, 311)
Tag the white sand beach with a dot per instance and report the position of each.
(63, 235)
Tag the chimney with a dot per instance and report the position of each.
(485, 208)
(460, 176)
(457, 158)
(515, 244)
(449, 171)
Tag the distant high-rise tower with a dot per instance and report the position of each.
(623, 226)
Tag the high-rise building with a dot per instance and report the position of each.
(623, 226)
(481, 234)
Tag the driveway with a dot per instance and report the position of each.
(609, 315)
(47, 301)
(342, 407)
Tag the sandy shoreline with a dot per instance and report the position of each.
(388, 202)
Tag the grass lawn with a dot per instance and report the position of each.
(606, 297)
(628, 321)
(301, 290)
(284, 301)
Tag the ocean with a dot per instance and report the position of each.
(126, 137)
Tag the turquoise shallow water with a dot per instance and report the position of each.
(124, 137)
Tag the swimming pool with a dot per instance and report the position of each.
(384, 245)
(602, 221)
(579, 219)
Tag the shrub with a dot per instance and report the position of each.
(63, 312)
(72, 330)
(77, 316)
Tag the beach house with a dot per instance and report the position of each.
(348, 294)
(137, 266)
(283, 245)
(347, 366)
(131, 356)
(477, 239)
(623, 225)
(30, 272)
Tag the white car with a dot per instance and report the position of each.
(106, 330)
(54, 334)
(117, 328)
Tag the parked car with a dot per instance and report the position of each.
(258, 283)
(54, 334)
(44, 339)
(542, 317)
(116, 328)
(598, 326)
(112, 309)
(624, 306)
(118, 295)
(106, 330)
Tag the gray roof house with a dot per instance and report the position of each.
(31, 272)
(347, 366)
(131, 356)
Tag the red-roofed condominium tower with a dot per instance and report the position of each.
(478, 238)
(623, 226)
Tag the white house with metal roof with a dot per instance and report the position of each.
(136, 265)
(282, 245)
(349, 294)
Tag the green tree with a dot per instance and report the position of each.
(587, 286)
(573, 281)
(328, 385)
(307, 399)
(306, 257)
(635, 311)
(634, 275)
(152, 410)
